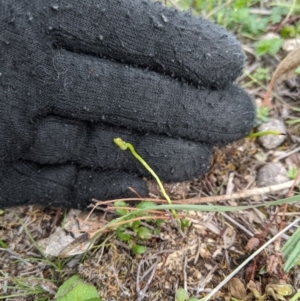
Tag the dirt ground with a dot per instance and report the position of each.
(198, 258)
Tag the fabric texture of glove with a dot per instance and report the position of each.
(74, 75)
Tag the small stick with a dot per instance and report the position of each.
(241, 194)
(218, 198)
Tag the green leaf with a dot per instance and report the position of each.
(269, 46)
(277, 12)
(159, 222)
(156, 231)
(193, 299)
(295, 108)
(121, 235)
(2, 212)
(144, 233)
(181, 295)
(291, 251)
(185, 224)
(262, 115)
(293, 121)
(288, 32)
(135, 226)
(297, 71)
(145, 205)
(3, 244)
(75, 289)
(292, 172)
(94, 299)
(137, 249)
(120, 211)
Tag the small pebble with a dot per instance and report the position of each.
(272, 174)
(272, 141)
(290, 44)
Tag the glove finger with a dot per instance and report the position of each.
(146, 34)
(98, 90)
(59, 141)
(26, 183)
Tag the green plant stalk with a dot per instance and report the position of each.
(208, 208)
(264, 133)
(296, 296)
(123, 146)
(293, 121)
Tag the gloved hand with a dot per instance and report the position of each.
(74, 75)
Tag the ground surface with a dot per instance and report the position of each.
(202, 255)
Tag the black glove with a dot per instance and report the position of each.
(74, 75)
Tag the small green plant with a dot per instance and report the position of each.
(268, 46)
(292, 172)
(262, 115)
(124, 146)
(182, 295)
(249, 24)
(288, 32)
(75, 289)
(142, 232)
(262, 74)
(134, 232)
(238, 15)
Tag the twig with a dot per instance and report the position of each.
(210, 199)
(237, 224)
(184, 272)
(241, 194)
(121, 286)
(142, 293)
(287, 154)
(207, 279)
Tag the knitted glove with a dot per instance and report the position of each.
(74, 75)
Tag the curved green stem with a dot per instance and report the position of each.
(264, 133)
(123, 146)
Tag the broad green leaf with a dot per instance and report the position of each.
(120, 211)
(144, 233)
(181, 295)
(159, 222)
(185, 224)
(291, 251)
(137, 249)
(123, 236)
(3, 244)
(268, 46)
(75, 289)
(147, 204)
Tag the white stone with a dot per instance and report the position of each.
(272, 141)
(272, 174)
(290, 44)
